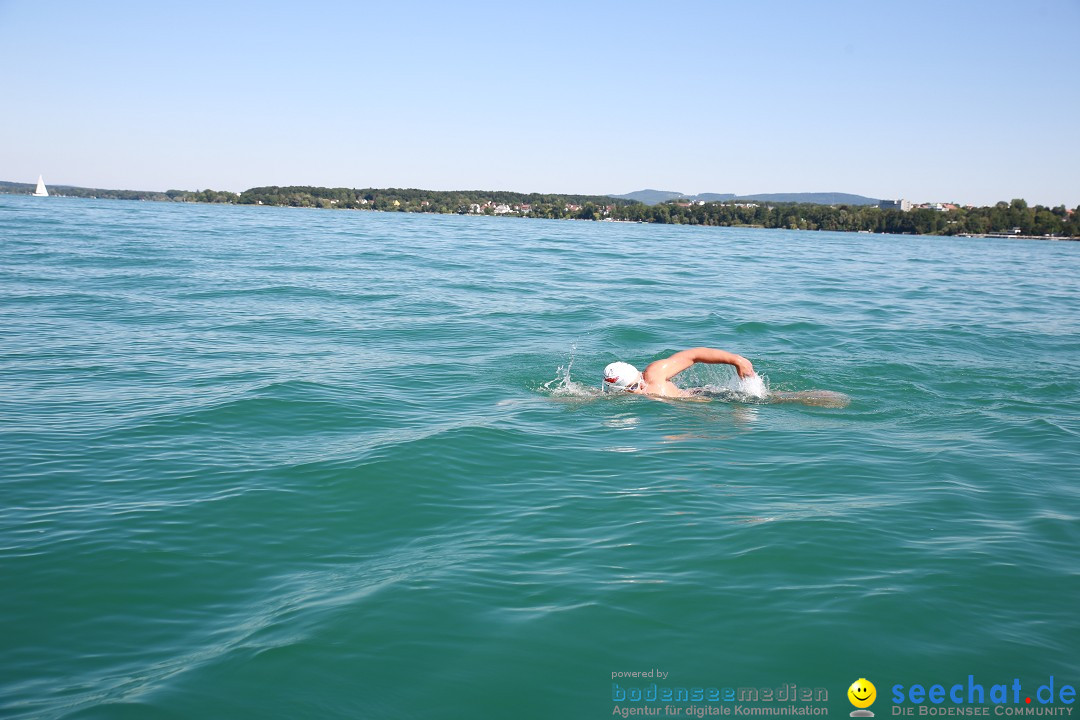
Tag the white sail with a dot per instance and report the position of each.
(41, 191)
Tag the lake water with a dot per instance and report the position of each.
(282, 463)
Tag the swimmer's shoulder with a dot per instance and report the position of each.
(664, 388)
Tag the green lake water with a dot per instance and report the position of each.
(283, 463)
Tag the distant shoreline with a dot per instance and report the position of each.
(1014, 220)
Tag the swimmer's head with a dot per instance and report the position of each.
(621, 376)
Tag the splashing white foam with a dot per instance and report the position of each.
(749, 390)
(564, 386)
(754, 386)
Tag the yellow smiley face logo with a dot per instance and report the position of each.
(862, 693)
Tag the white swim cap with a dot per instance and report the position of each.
(620, 376)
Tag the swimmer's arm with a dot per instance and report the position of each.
(668, 368)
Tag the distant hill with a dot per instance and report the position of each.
(655, 197)
(812, 198)
(649, 197)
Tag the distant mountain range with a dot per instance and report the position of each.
(654, 197)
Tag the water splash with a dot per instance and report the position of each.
(754, 389)
(564, 386)
(754, 386)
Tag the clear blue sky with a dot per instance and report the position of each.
(967, 101)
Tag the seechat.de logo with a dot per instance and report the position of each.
(862, 694)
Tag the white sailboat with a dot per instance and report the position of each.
(40, 191)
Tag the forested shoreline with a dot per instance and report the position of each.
(1010, 218)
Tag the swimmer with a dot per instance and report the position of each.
(655, 381)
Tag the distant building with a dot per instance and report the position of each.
(902, 205)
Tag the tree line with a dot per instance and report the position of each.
(1015, 217)
(432, 201)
